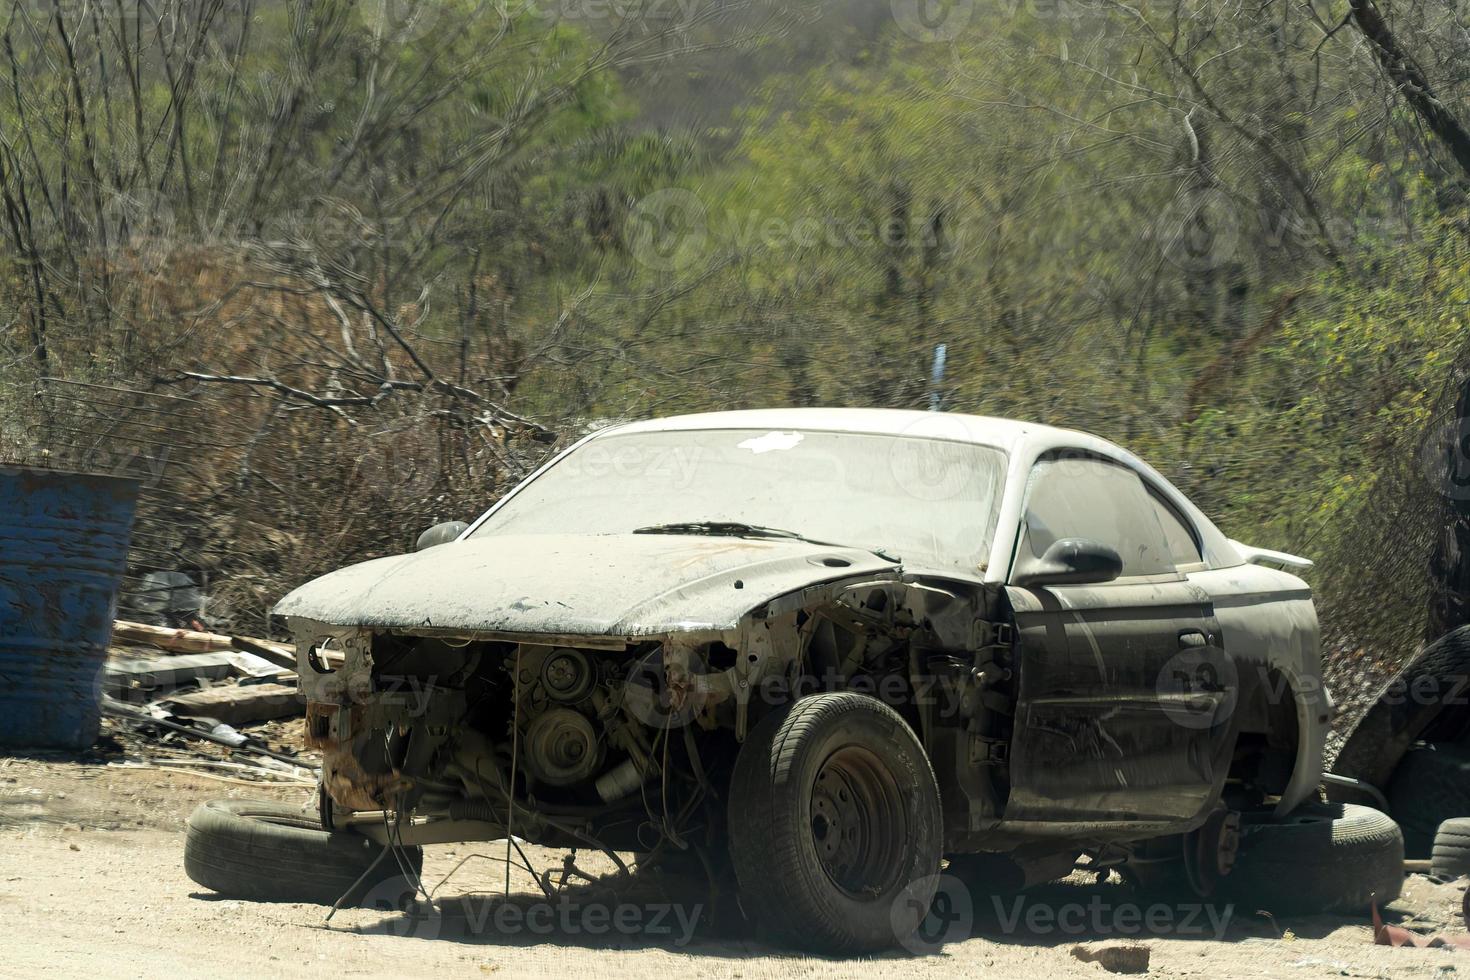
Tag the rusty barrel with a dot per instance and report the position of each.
(63, 551)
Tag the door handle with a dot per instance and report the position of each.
(1192, 639)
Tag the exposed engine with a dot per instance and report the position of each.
(622, 743)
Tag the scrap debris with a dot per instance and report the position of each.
(121, 677)
(177, 699)
(239, 704)
(1398, 936)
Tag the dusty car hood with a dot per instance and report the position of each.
(592, 585)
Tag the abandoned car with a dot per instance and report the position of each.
(829, 650)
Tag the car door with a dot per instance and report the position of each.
(1120, 683)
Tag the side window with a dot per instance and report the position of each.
(1183, 547)
(1095, 499)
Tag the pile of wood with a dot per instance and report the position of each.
(234, 680)
(174, 699)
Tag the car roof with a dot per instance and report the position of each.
(1007, 434)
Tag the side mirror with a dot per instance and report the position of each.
(1073, 561)
(440, 534)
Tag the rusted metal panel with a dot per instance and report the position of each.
(63, 550)
(610, 585)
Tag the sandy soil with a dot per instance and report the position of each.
(92, 884)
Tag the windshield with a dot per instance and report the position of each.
(929, 501)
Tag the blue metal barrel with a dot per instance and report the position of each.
(63, 551)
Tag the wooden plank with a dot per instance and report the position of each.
(172, 640)
(240, 704)
(194, 641)
(277, 653)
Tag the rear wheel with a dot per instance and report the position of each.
(1334, 857)
(835, 828)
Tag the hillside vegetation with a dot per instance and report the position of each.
(389, 255)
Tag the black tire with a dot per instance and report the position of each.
(1430, 785)
(1334, 857)
(1451, 854)
(275, 852)
(835, 826)
(1424, 700)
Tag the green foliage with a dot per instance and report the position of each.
(1200, 230)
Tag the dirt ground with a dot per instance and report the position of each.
(92, 884)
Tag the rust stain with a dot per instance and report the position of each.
(714, 549)
(1398, 936)
(350, 785)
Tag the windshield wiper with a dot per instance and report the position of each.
(733, 529)
(738, 529)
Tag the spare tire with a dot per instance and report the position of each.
(1430, 785)
(1451, 852)
(1426, 698)
(276, 852)
(1334, 857)
(1451, 855)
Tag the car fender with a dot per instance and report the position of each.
(1269, 623)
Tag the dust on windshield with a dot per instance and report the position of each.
(930, 501)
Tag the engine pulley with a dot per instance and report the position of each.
(566, 675)
(562, 748)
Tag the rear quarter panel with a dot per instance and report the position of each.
(1267, 620)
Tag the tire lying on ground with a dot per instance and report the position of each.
(1334, 857)
(1424, 700)
(1451, 853)
(835, 827)
(1430, 785)
(275, 852)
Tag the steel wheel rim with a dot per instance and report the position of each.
(858, 823)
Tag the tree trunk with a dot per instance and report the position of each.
(1409, 79)
(1449, 565)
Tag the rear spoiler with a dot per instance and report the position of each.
(1264, 556)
